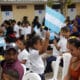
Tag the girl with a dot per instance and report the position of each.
(36, 47)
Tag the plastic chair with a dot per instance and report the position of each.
(66, 63)
(31, 76)
(55, 66)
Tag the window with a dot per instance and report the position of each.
(6, 7)
(21, 7)
(56, 6)
(39, 7)
(72, 6)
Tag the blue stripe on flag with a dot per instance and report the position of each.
(54, 13)
(52, 26)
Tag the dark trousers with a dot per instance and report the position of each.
(42, 76)
(49, 61)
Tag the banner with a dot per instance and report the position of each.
(6, 15)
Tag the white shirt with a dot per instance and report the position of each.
(37, 64)
(22, 30)
(16, 29)
(63, 44)
(55, 51)
(24, 55)
(27, 30)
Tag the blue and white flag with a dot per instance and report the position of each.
(54, 20)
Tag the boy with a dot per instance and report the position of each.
(62, 44)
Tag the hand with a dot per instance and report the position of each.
(47, 34)
(55, 42)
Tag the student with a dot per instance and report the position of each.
(61, 46)
(62, 43)
(27, 30)
(36, 22)
(10, 74)
(74, 69)
(55, 51)
(23, 55)
(36, 48)
(10, 34)
(11, 61)
(16, 28)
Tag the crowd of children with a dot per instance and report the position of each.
(22, 46)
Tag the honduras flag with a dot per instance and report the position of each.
(54, 20)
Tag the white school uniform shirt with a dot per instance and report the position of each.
(22, 30)
(16, 29)
(24, 55)
(55, 51)
(27, 30)
(63, 44)
(37, 64)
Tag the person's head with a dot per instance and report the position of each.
(74, 46)
(74, 29)
(65, 31)
(11, 54)
(36, 18)
(10, 74)
(75, 23)
(25, 18)
(6, 23)
(19, 23)
(35, 42)
(20, 44)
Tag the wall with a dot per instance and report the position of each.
(19, 13)
(0, 16)
(78, 8)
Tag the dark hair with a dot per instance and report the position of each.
(18, 23)
(13, 73)
(32, 41)
(74, 41)
(11, 49)
(65, 29)
(7, 22)
(20, 39)
(14, 21)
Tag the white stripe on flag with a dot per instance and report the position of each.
(53, 20)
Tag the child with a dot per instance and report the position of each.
(10, 74)
(62, 44)
(36, 48)
(23, 54)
